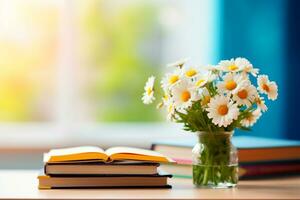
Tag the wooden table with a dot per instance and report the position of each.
(22, 184)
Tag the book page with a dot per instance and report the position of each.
(75, 153)
(75, 150)
(123, 153)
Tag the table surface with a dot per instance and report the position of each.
(22, 184)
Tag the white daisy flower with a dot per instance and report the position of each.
(260, 102)
(252, 118)
(202, 79)
(165, 101)
(231, 65)
(251, 70)
(232, 82)
(245, 95)
(211, 76)
(191, 72)
(212, 68)
(267, 87)
(205, 97)
(171, 79)
(183, 94)
(222, 111)
(178, 63)
(148, 96)
(169, 103)
(246, 66)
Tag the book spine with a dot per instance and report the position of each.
(256, 170)
(263, 170)
(153, 147)
(183, 161)
(45, 169)
(186, 161)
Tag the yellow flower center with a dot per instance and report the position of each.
(170, 108)
(266, 87)
(165, 97)
(199, 82)
(185, 96)
(223, 110)
(205, 100)
(250, 117)
(258, 101)
(243, 94)
(232, 67)
(191, 73)
(230, 85)
(173, 79)
(149, 91)
(160, 105)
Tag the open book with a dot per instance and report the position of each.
(92, 153)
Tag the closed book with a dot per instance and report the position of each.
(245, 171)
(257, 156)
(250, 149)
(100, 168)
(269, 169)
(104, 181)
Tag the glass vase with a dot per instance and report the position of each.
(215, 161)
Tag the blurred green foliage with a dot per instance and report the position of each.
(118, 45)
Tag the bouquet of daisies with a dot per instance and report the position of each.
(213, 98)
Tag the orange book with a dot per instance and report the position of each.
(269, 154)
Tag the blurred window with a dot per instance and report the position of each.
(28, 49)
(119, 45)
(68, 66)
(88, 60)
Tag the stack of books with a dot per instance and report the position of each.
(258, 157)
(92, 167)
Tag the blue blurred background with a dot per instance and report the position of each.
(267, 32)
